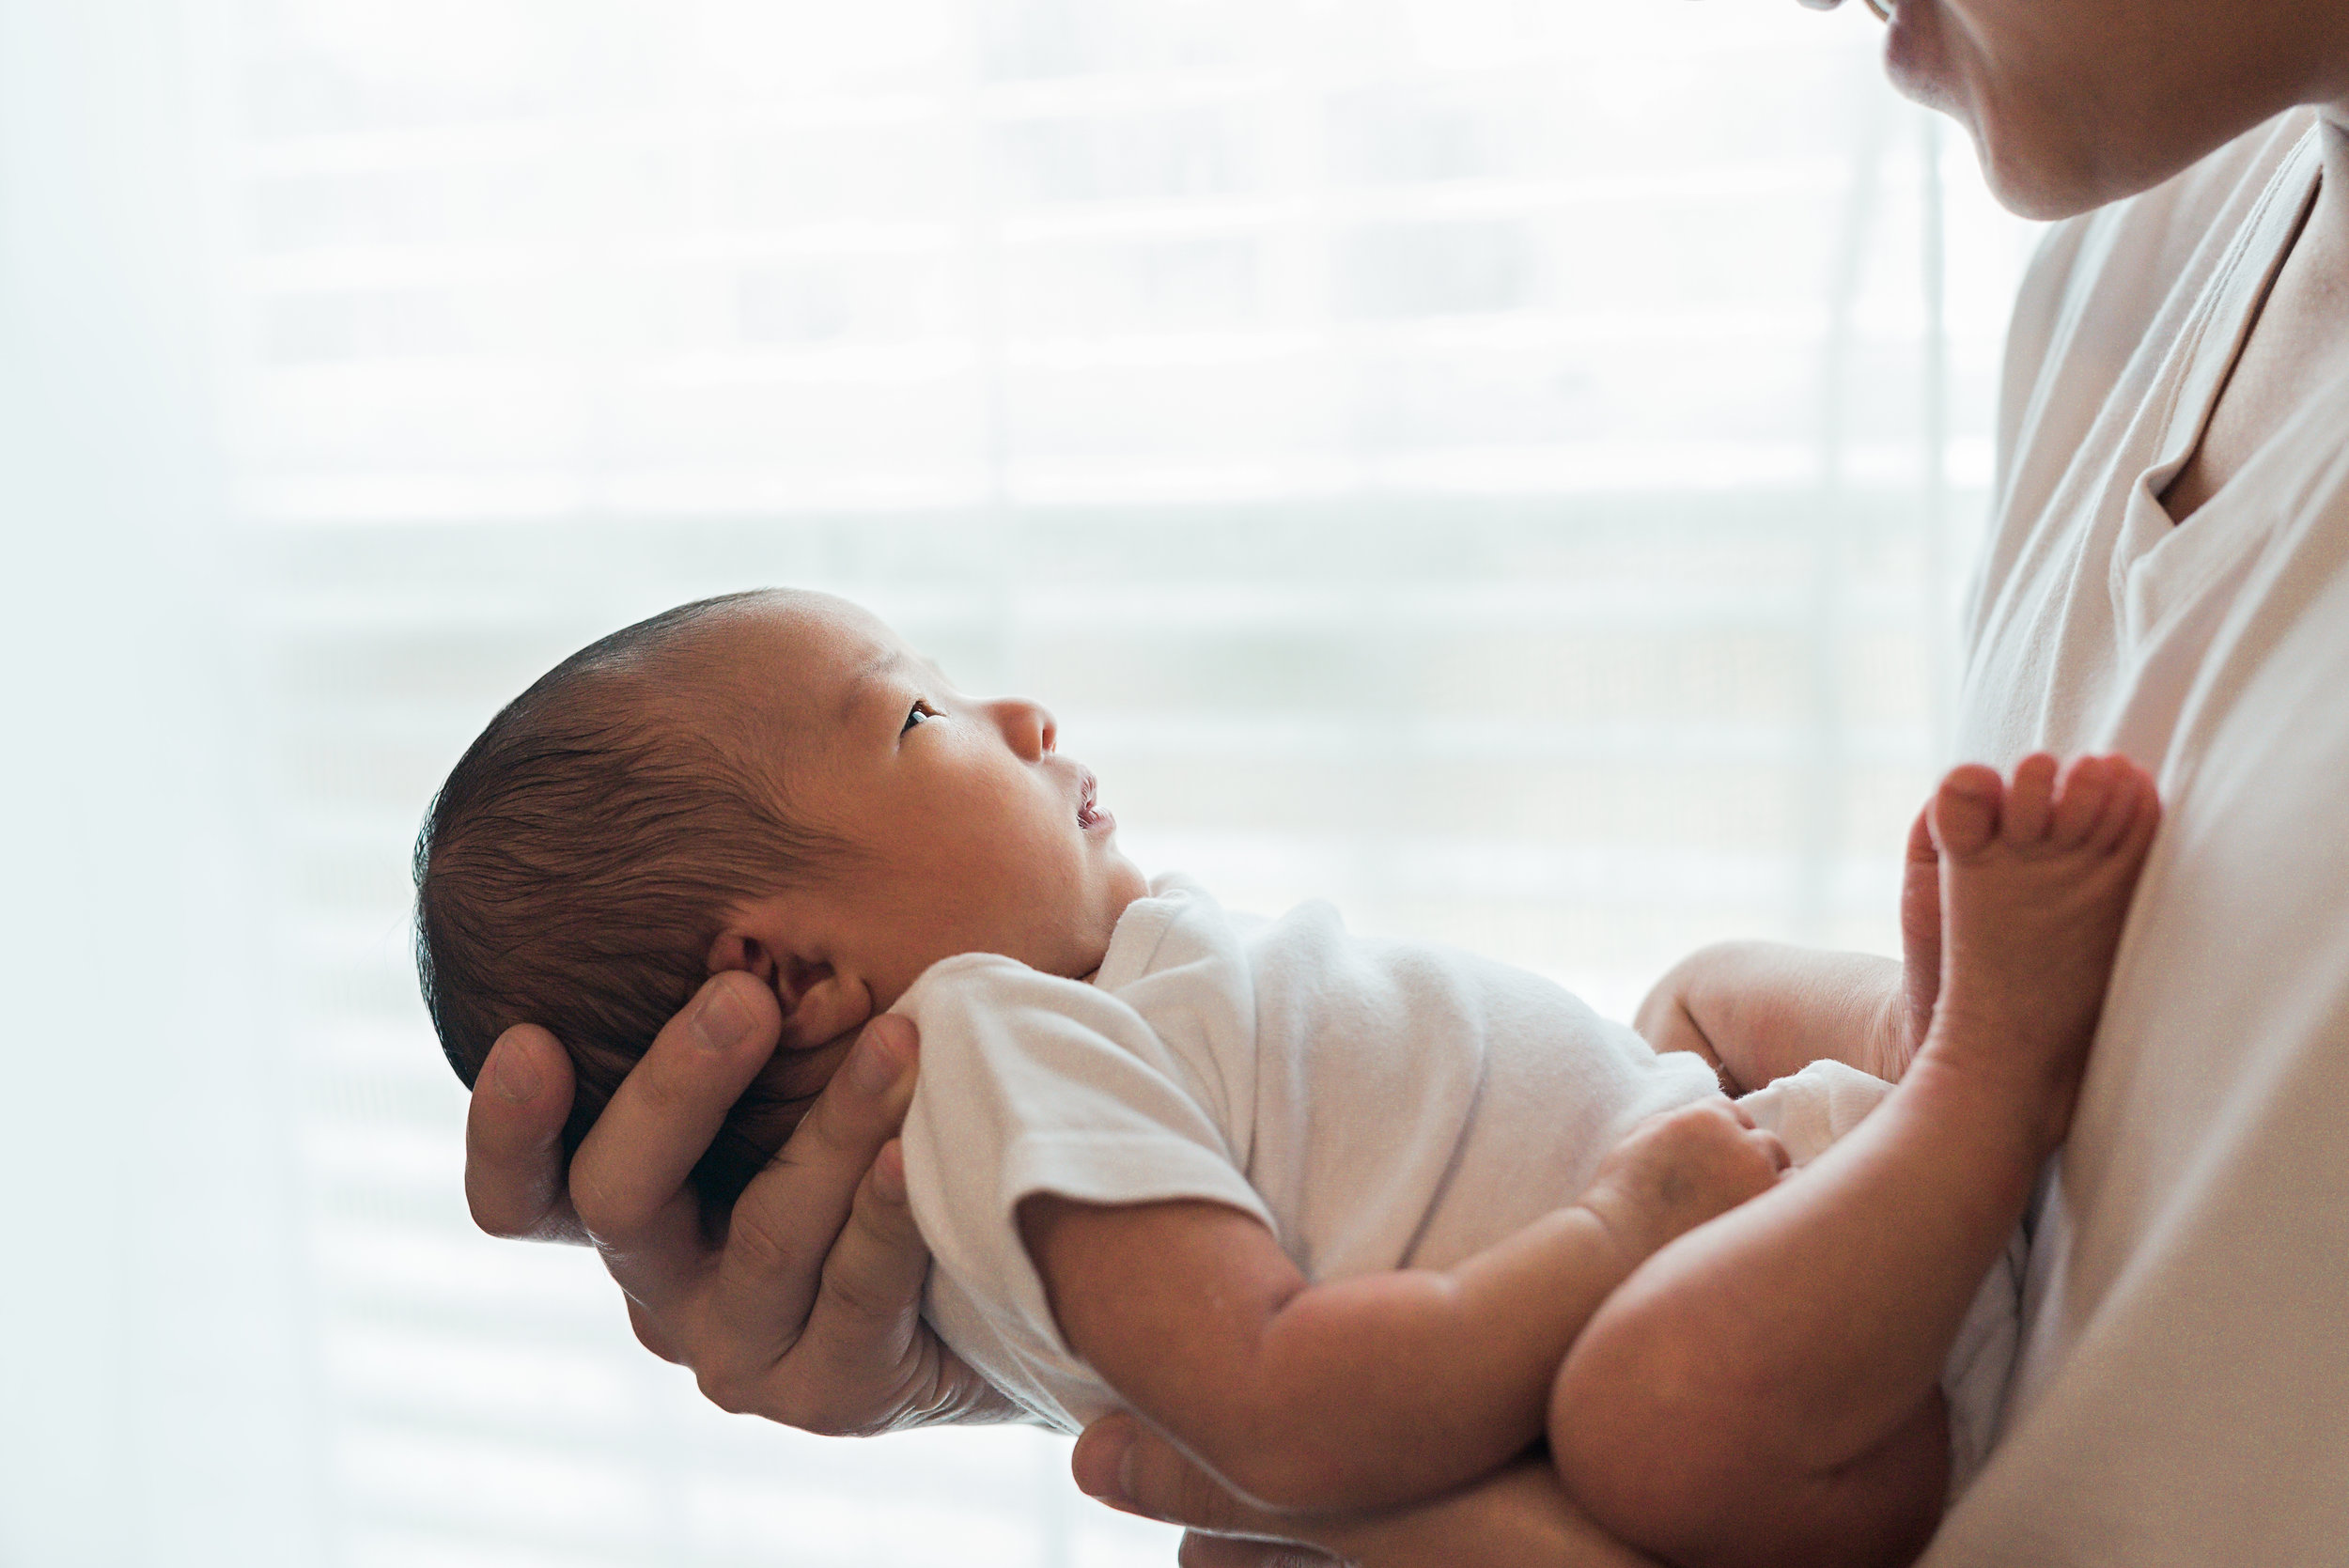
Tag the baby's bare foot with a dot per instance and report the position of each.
(2035, 879)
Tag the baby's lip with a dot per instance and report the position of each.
(1089, 815)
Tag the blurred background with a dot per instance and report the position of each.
(1508, 466)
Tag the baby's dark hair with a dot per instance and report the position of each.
(579, 862)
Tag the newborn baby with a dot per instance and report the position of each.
(1353, 1221)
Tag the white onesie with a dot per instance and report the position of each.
(1378, 1105)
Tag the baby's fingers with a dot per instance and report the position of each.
(514, 1140)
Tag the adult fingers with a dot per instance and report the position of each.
(514, 1140)
(868, 1311)
(1232, 1551)
(862, 1362)
(1123, 1463)
(663, 1115)
(653, 1332)
(628, 1179)
(787, 1220)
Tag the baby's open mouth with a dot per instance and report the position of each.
(1088, 815)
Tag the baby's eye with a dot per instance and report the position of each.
(919, 713)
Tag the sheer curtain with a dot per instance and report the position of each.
(1506, 466)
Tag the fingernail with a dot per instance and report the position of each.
(723, 1019)
(873, 1069)
(517, 1080)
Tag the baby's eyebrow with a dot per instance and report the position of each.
(881, 663)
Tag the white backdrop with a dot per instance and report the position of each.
(1506, 465)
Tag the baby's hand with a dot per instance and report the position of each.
(1680, 1169)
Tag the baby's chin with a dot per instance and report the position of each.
(1127, 886)
(1088, 962)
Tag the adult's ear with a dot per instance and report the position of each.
(819, 1002)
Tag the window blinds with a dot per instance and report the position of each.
(1502, 466)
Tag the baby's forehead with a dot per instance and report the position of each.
(812, 639)
(799, 658)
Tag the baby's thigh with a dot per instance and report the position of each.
(1697, 1491)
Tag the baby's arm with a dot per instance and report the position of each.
(1381, 1389)
(1758, 1011)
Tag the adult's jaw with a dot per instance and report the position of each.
(2075, 104)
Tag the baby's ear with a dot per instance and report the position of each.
(819, 1003)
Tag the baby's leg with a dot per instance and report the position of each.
(1766, 1389)
(1920, 931)
(2036, 884)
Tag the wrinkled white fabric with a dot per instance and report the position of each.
(1811, 1109)
(1378, 1104)
(2181, 1390)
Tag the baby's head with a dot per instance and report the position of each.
(772, 783)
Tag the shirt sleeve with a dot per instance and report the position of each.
(1815, 1108)
(1034, 1084)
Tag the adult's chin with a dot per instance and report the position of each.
(2059, 137)
(1924, 67)
(2032, 166)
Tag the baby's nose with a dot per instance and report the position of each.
(1027, 726)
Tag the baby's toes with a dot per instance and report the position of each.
(1923, 851)
(2090, 790)
(1964, 810)
(2123, 799)
(2132, 825)
(2029, 804)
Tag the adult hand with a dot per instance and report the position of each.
(1519, 1517)
(808, 1312)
